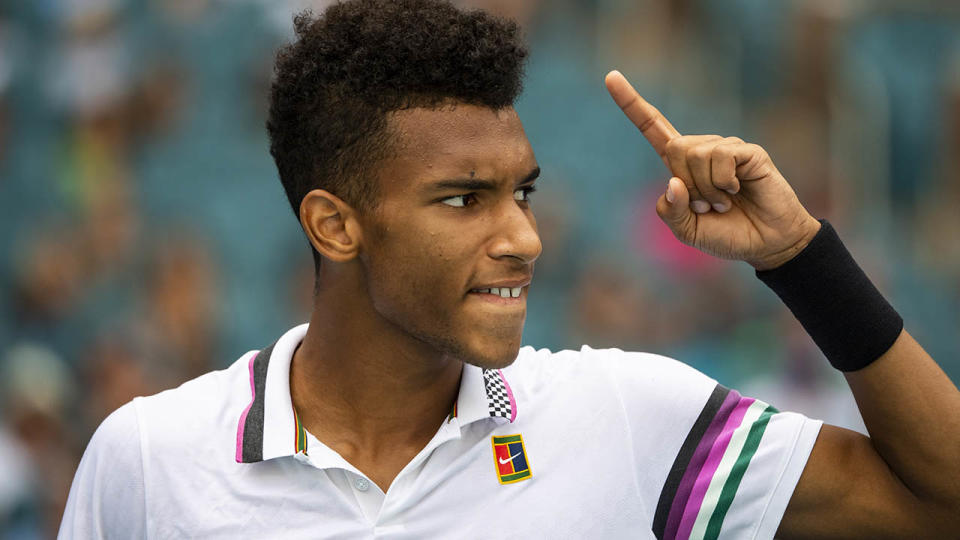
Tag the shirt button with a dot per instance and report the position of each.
(362, 484)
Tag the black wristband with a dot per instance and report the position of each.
(837, 304)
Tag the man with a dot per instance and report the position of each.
(407, 409)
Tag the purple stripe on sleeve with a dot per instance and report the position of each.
(696, 463)
(710, 467)
(243, 417)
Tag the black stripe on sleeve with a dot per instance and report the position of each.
(253, 427)
(683, 458)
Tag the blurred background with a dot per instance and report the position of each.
(145, 238)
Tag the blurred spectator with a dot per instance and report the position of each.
(18, 504)
(179, 314)
(611, 308)
(37, 391)
(804, 382)
(92, 68)
(936, 243)
(50, 276)
(114, 371)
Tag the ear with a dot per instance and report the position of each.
(331, 225)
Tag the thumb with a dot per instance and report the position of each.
(673, 207)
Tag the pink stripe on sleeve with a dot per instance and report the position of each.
(710, 467)
(243, 417)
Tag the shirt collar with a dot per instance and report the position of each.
(269, 427)
(484, 393)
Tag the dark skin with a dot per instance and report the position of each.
(904, 480)
(394, 318)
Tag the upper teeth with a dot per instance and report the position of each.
(503, 292)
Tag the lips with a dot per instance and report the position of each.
(504, 288)
(503, 292)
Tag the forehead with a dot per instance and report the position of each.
(430, 144)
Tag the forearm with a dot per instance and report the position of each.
(912, 412)
(903, 481)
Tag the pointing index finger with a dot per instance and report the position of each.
(651, 122)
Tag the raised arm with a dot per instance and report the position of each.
(727, 199)
(901, 482)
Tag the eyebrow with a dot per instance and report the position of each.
(478, 184)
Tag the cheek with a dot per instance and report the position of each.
(419, 275)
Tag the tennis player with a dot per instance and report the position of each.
(406, 408)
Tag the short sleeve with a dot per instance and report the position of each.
(718, 464)
(107, 496)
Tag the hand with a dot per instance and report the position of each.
(726, 197)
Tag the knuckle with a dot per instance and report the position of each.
(721, 153)
(675, 147)
(759, 150)
(700, 153)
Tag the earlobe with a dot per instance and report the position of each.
(330, 225)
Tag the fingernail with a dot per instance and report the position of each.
(720, 207)
(731, 191)
(700, 207)
(670, 196)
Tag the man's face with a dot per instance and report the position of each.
(453, 222)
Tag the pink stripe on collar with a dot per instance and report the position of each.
(513, 401)
(243, 417)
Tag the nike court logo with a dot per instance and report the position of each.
(509, 459)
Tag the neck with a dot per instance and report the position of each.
(363, 387)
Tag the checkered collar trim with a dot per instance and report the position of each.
(500, 400)
(484, 393)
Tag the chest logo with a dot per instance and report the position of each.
(510, 458)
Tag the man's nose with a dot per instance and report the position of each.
(517, 235)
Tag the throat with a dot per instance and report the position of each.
(381, 465)
(376, 416)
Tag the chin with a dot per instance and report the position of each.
(488, 359)
(485, 350)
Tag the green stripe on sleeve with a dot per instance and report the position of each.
(736, 474)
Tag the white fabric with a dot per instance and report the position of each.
(601, 430)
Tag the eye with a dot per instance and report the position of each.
(459, 201)
(523, 194)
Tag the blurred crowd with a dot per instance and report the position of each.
(145, 238)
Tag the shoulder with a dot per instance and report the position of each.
(117, 438)
(107, 493)
(655, 397)
(197, 414)
(204, 407)
(642, 375)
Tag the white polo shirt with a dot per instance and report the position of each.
(574, 444)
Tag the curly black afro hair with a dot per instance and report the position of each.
(361, 59)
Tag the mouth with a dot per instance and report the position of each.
(502, 296)
(501, 292)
